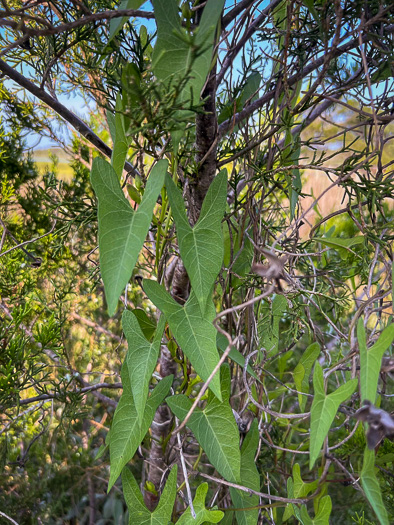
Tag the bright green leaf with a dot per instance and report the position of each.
(138, 513)
(122, 231)
(126, 432)
(194, 333)
(322, 516)
(298, 488)
(174, 57)
(147, 326)
(203, 515)
(249, 478)
(134, 193)
(116, 24)
(384, 71)
(182, 58)
(121, 144)
(247, 95)
(343, 246)
(324, 409)
(370, 484)
(201, 247)
(111, 124)
(141, 358)
(302, 371)
(371, 360)
(291, 155)
(214, 428)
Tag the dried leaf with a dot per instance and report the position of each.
(380, 423)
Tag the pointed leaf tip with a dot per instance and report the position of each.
(122, 231)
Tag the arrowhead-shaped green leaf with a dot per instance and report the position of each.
(302, 371)
(371, 360)
(203, 515)
(182, 59)
(249, 478)
(174, 57)
(138, 513)
(141, 358)
(214, 428)
(201, 247)
(370, 484)
(122, 231)
(322, 516)
(324, 409)
(298, 489)
(126, 432)
(195, 333)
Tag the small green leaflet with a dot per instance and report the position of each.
(111, 124)
(182, 59)
(291, 155)
(371, 360)
(324, 409)
(201, 247)
(302, 371)
(343, 246)
(384, 71)
(122, 231)
(194, 333)
(116, 24)
(247, 94)
(249, 478)
(203, 515)
(138, 513)
(297, 488)
(214, 428)
(322, 516)
(370, 484)
(126, 433)
(121, 144)
(141, 358)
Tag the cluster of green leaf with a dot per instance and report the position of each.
(269, 434)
